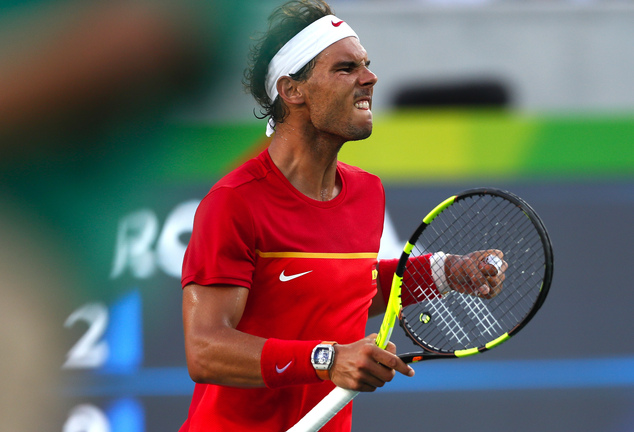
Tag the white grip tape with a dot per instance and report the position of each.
(324, 410)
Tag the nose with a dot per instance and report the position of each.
(368, 78)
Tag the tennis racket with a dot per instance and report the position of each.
(503, 237)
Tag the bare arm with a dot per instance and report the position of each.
(216, 352)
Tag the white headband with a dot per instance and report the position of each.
(301, 49)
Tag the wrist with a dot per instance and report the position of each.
(439, 263)
(322, 358)
(287, 362)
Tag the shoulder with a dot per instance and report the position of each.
(359, 175)
(354, 170)
(235, 188)
(252, 170)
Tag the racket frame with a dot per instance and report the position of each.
(429, 354)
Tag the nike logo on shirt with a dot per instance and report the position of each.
(286, 278)
(281, 370)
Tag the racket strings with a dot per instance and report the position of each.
(485, 320)
(459, 321)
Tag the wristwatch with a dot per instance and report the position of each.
(322, 358)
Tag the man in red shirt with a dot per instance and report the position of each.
(280, 274)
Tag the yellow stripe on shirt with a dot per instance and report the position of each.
(358, 255)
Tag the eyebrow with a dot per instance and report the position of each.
(351, 64)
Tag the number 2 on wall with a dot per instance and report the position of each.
(90, 351)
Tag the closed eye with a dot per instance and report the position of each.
(349, 66)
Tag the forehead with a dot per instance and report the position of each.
(347, 49)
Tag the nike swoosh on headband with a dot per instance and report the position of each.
(336, 24)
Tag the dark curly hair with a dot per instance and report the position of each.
(284, 23)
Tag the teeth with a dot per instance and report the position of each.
(364, 104)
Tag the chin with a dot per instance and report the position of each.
(361, 133)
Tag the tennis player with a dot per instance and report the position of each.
(280, 274)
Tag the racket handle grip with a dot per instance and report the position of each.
(324, 410)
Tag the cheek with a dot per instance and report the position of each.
(328, 105)
(337, 103)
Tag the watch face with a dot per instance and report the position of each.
(322, 356)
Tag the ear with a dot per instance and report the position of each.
(289, 91)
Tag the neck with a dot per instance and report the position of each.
(310, 165)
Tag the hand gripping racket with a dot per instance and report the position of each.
(457, 324)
